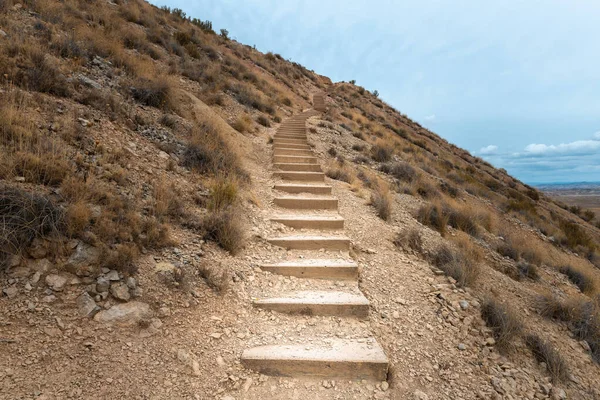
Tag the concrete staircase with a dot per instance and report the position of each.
(306, 204)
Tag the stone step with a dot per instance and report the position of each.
(310, 222)
(286, 151)
(321, 302)
(303, 188)
(315, 269)
(298, 167)
(295, 159)
(295, 141)
(307, 203)
(354, 359)
(280, 135)
(297, 146)
(300, 176)
(309, 242)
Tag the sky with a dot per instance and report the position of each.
(516, 82)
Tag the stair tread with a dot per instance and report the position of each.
(317, 297)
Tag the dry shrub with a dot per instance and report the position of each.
(582, 316)
(459, 264)
(25, 216)
(461, 220)
(41, 73)
(527, 270)
(77, 218)
(382, 152)
(224, 228)
(584, 281)
(218, 278)
(340, 174)
(433, 216)
(46, 169)
(382, 202)
(207, 152)
(154, 92)
(167, 200)
(504, 322)
(332, 151)
(409, 238)
(575, 235)
(264, 121)
(223, 194)
(243, 124)
(121, 258)
(517, 245)
(400, 170)
(544, 352)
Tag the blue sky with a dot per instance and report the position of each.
(515, 82)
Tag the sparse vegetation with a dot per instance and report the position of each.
(456, 263)
(544, 352)
(409, 238)
(505, 324)
(382, 202)
(583, 281)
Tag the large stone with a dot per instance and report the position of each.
(102, 284)
(10, 292)
(112, 275)
(19, 272)
(120, 291)
(125, 313)
(42, 266)
(56, 282)
(84, 259)
(86, 306)
(88, 82)
(37, 249)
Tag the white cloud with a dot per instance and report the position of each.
(597, 135)
(488, 150)
(576, 147)
(430, 117)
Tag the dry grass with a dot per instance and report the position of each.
(156, 92)
(167, 200)
(224, 228)
(207, 153)
(382, 152)
(504, 322)
(223, 194)
(216, 277)
(461, 264)
(402, 171)
(243, 124)
(25, 216)
(381, 200)
(584, 281)
(409, 238)
(545, 353)
(432, 215)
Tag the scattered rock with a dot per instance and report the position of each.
(86, 305)
(19, 272)
(419, 395)
(462, 346)
(385, 386)
(102, 284)
(12, 261)
(10, 292)
(37, 249)
(463, 304)
(83, 260)
(120, 291)
(2, 33)
(88, 82)
(164, 267)
(131, 283)
(112, 275)
(125, 313)
(36, 278)
(164, 312)
(42, 266)
(56, 282)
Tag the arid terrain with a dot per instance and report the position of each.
(586, 196)
(139, 176)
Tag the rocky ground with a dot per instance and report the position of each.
(167, 334)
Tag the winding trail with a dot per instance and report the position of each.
(318, 251)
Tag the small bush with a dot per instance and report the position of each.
(381, 201)
(433, 216)
(400, 170)
(167, 200)
(409, 238)
(462, 221)
(575, 235)
(25, 216)
(527, 270)
(503, 321)
(264, 121)
(243, 124)
(223, 194)
(583, 281)
(218, 278)
(381, 153)
(339, 174)
(206, 152)
(456, 263)
(154, 93)
(42, 75)
(358, 147)
(225, 229)
(450, 190)
(544, 352)
(332, 151)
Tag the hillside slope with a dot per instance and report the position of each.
(135, 197)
